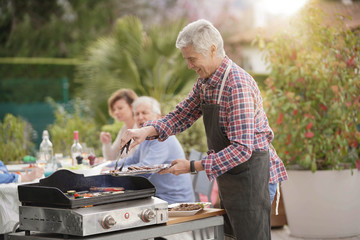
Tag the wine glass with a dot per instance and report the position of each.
(91, 156)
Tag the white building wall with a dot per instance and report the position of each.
(253, 60)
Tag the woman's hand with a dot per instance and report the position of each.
(105, 137)
(31, 174)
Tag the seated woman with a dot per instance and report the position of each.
(120, 108)
(171, 188)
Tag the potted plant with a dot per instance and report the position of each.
(313, 103)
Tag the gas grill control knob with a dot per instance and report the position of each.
(108, 222)
(147, 215)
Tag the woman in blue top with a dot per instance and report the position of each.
(171, 188)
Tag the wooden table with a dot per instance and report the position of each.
(207, 212)
(206, 218)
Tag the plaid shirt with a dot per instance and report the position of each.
(242, 119)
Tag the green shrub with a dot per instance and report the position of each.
(15, 139)
(312, 98)
(75, 116)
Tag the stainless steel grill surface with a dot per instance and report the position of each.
(47, 207)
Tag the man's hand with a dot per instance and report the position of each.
(137, 135)
(105, 137)
(178, 166)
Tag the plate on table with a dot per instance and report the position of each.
(84, 169)
(135, 170)
(186, 209)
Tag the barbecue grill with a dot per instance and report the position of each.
(49, 207)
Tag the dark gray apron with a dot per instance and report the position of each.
(244, 189)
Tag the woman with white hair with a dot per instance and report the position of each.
(240, 157)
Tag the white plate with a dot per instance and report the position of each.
(87, 171)
(154, 168)
(186, 213)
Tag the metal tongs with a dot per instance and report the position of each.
(126, 146)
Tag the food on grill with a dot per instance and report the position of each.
(71, 192)
(187, 207)
(135, 170)
(141, 168)
(76, 195)
(95, 192)
(107, 189)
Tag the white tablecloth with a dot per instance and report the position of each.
(9, 207)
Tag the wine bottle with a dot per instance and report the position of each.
(46, 152)
(76, 150)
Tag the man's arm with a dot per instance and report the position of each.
(181, 118)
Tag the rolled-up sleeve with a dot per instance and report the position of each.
(184, 115)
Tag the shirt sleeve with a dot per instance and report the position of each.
(6, 177)
(184, 115)
(9, 177)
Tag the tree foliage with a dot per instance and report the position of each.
(62, 28)
(145, 61)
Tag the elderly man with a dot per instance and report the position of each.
(238, 133)
(173, 189)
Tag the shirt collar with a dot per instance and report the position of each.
(217, 76)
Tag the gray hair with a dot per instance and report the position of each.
(201, 34)
(147, 100)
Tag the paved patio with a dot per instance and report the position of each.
(284, 234)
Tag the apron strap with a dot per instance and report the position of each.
(277, 199)
(223, 81)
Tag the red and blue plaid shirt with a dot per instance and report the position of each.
(242, 119)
